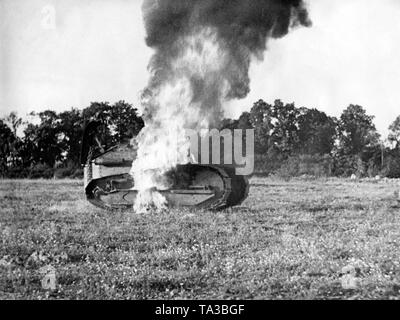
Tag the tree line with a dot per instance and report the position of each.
(51, 143)
(292, 141)
(289, 141)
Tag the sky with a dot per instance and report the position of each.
(58, 54)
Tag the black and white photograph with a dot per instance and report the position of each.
(199, 150)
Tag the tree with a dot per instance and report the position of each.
(43, 142)
(394, 132)
(275, 127)
(359, 150)
(125, 121)
(228, 123)
(316, 133)
(260, 119)
(285, 127)
(356, 131)
(244, 121)
(71, 130)
(7, 139)
(101, 111)
(14, 122)
(120, 121)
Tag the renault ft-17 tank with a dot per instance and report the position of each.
(109, 185)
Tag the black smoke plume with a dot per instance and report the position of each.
(242, 28)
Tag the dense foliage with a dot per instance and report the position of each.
(51, 142)
(289, 141)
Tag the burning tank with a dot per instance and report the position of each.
(109, 185)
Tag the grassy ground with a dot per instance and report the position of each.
(289, 240)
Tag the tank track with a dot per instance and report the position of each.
(230, 190)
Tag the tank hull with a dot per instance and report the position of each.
(109, 185)
(206, 187)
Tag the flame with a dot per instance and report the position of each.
(178, 104)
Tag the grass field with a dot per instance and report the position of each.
(302, 239)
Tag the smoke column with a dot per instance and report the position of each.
(202, 54)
